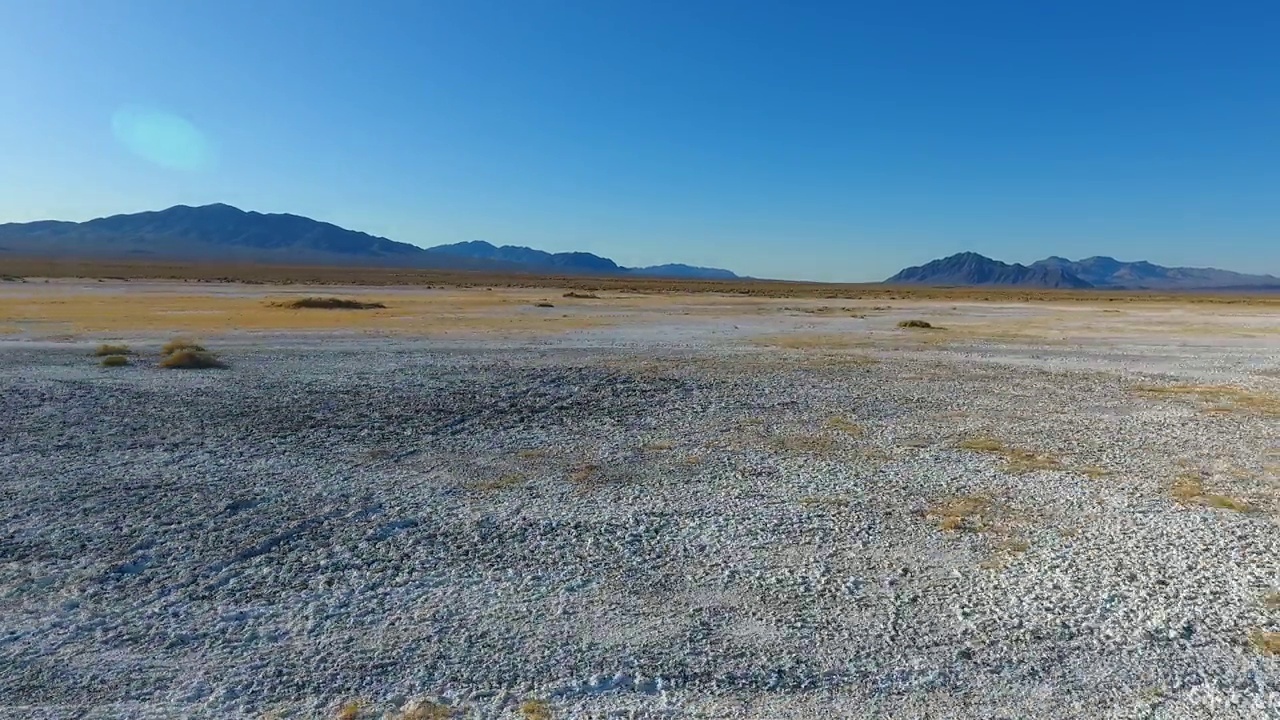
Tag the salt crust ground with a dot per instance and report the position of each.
(636, 523)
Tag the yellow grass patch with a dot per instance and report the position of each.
(848, 427)
(1016, 460)
(422, 312)
(535, 710)
(505, 482)
(1266, 642)
(969, 513)
(1217, 398)
(1188, 489)
(806, 444)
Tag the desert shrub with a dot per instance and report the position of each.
(543, 304)
(115, 361)
(535, 710)
(329, 303)
(179, 344)
(191, 360)
(106, 349)
(924, 324)
(582, 296)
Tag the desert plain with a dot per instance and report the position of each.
(501, 502)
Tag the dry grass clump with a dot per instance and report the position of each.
(115, 361)
(1188, 489)
(106, 349)
(505, 482)
(810, 444)
(920, 324)
(535, 710)
(349, 711)
(191, 360)
(1093, 471)
(426, 711)
(531, 453)
(848, 427)
(1271, 600)
(1267, 642)
(967, 513)
(582, 296)
(659, 445)
(1016, 460)
(585, 474)
(177, 344)
(328, 303)
(1217, 398)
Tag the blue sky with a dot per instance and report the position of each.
(828, 141)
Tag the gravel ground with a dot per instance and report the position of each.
(636, 531)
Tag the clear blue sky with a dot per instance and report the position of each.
(830, 141)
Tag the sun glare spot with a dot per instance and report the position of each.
(163, 138)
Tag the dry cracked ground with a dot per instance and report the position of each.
(790, 513)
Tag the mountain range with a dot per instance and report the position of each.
(1099, 272)
(222, 233)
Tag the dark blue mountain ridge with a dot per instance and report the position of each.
(972, 269)
(221, 232)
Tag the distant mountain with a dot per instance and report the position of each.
(222, 233)
(1096, 272)
(1107, 272)
(693, 272)
(574, 262)
(973, 269)
(219, 233)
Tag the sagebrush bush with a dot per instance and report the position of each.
(106, 349)
(915, 324)
(191, 360)
(329, 303)
(115, 361)
(178, 344)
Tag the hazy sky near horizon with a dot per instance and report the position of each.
(826, 141)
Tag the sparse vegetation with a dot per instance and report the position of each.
(328, 303)
(505, 482)
(1271, 600)
(969, 513)
(107, 349)
(191, 360)
(810, 444)
(1188, 489)
(582, 296)
(535, 710)
(531, 453)
(585, 474)
(848, 427)
(543, 305)
(348, 711)
(1016, 460)
(1266, 642)
(115, 361)
(178, 344)
(659, 445)
(426, 711)
(918, 324)
(1218, 398)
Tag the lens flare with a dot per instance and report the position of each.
(163, 138)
